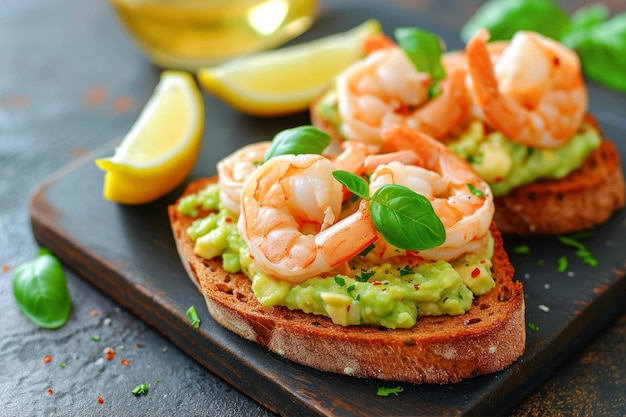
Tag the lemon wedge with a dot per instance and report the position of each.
(286, 80)
(162, 146)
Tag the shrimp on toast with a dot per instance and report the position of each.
(460, 198)
(534, 93)
(290, 219)
(234, 169)
(385, 88)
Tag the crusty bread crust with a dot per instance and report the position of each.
(441, 349)
(585, 198)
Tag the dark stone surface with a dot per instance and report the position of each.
(71, 81)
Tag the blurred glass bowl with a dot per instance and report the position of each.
(190, 34)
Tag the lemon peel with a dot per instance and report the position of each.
(162, 146)
(286, 80)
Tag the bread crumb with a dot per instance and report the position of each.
(281, 352)
(544, 308)
(492, 349)
(348, 371)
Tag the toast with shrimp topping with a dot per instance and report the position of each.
(527, 130)
(437, 349)
(402, 277)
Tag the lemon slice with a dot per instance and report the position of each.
(286, 80)
(162, 146)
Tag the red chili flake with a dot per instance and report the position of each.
(376, 283)
(475, 272)
(47, 359)
(110, 353)
(125, 362)
(498, 179)
(50, 391)
(100, 399)
(482, 261)
(94, 313)
(228, 220)
(6, 268)
(348, 308)
(417, 287)
(138, 345)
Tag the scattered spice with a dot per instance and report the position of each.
(95, 95)
(125, 362)
(6, 268)
(122, 104)
(109, 353)
(50, 391)
(94, 313)
(475, 272)
(47, 359)
(100, 400)
(138, 345)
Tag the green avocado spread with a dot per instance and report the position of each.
(392, 294)
(505, 165)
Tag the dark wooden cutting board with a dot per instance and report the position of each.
(129, 254)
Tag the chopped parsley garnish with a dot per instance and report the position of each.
(581, 250)
(141, 389)
(533, 327)
(364, 276)
(386, 391)
(340, 281)
(407, 270)
(351, 288)
(522, 249)
(562, 264)
(474, 190)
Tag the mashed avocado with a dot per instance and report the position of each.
(391, 294)
(506, 165)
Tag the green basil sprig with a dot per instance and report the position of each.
(298, 140)
(40, 289)
(601, 45)
(424, 49)
(405, 218)
(505, 17)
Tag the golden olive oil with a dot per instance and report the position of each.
(189, 34)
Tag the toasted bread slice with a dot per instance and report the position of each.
(585, 198)
(439, 349)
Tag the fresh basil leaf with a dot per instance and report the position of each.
(355, 184)
(40, 289)
(505, 17)
(424, 49)
(602, 48)
(406, 219)
(298, 140)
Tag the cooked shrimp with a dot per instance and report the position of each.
(534, 93)
(461, 199)
(291, 219)
(385, 88)
(235, 169)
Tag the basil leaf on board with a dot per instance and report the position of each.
(424, 49)
(298, 140)
(406, 219)
(505, 17)
(40, 289)
(354, 183)
(602, 48)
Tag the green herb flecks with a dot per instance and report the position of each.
(387, 391)
(405, 218)
(562, 264)
(581, 250)
(340, 281)
(476, 191)
(533, 327)
(522, 249)
(41, 291)
(424, 49)
(364, 276)
(406, 270)
(193, 317)
(141, 389)
(297, 141)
